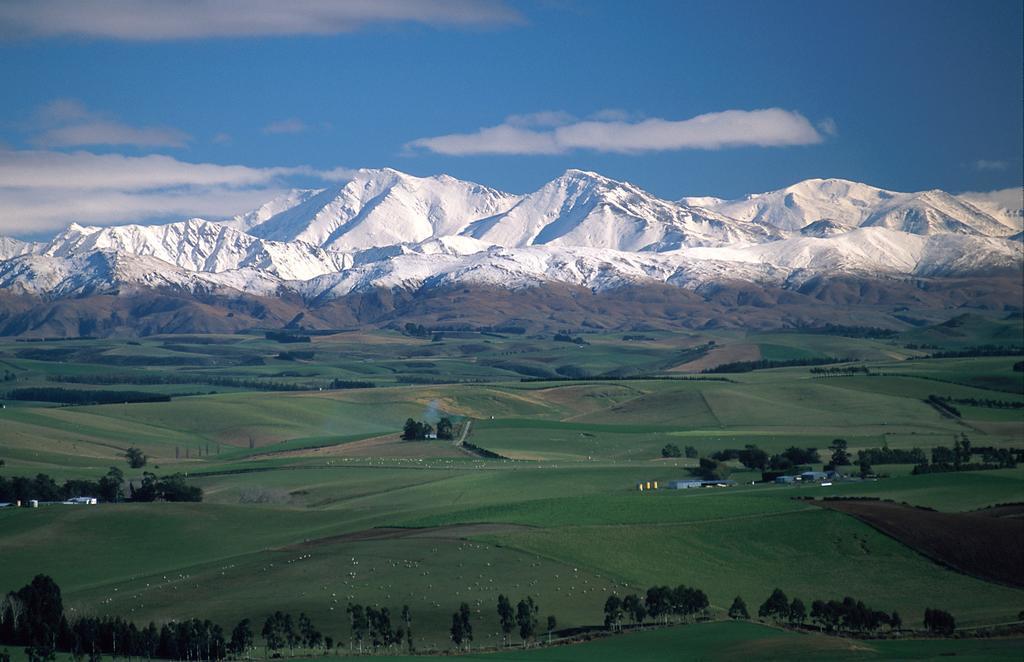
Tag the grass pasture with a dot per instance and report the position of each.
(312, 501)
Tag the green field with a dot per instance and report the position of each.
(295, 482)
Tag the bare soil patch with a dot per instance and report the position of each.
(977, 544)
(720, 355)
(449, 532)
(388, 446)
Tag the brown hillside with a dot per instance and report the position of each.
(977, 544)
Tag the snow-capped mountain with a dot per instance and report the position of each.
(386, 229)
(201, 246)
(376, 208)
(585, 209)
(854, 204)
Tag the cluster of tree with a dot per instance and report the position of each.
(637, 337)
(958, 458)
(523, 617)
(711, 469)
(672, 450)
(846, 615)
(979, 350)
(285, 337)
(280, 631)
(416, 330)
(9, 376)
(886, 455)
(1018, 366)
(938, 621)
(753, 457)
(565, 336)
(295, 355)
(461, 631)
(373, 626)
(983, 402)
(83, 397)
(660, 603)
(841, 371)
(167, 488)
(44, 488)
(766, 364)
(417, 431)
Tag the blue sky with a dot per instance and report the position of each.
(123, 111)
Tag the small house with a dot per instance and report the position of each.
(786, 480)
(82, 501)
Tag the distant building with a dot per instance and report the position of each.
(82, 501)
(690, 484)
(430, 435)
(815, 476)
(786, 480)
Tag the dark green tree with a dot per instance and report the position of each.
(241, 639)
(840, 457)
(612, 612)
(135, 457)
(776, 606)
(445, 428)
(691, 452)
(526, 618)
(738, 609)
(797, 612)
(506, 617)
(671, 450)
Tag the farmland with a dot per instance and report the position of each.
(312, 501)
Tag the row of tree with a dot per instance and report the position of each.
(766, 364)
(108, 488)
(660, 603)
(847, 615)
(373, 626)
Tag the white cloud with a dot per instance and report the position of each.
(1007, 198)
(986, 164)
(44, 190)
(543, 118)
(828, 126)
(110, 133)
(149, 20)
(291, 125)
(771, 127)
(68, 123)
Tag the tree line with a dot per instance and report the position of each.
(109, 488)
(205, 380)
(82, 396)
(766, 364)
(958, 458)
(978, 350)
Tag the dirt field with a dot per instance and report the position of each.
(720, 355)
(984, 545)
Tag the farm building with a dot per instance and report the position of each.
(690, 484)
(817, 475)
(786, 480)
(82, 501)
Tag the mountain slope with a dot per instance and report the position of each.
(855, 204)
(200, 246)
(585, 209)
(378, 208)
